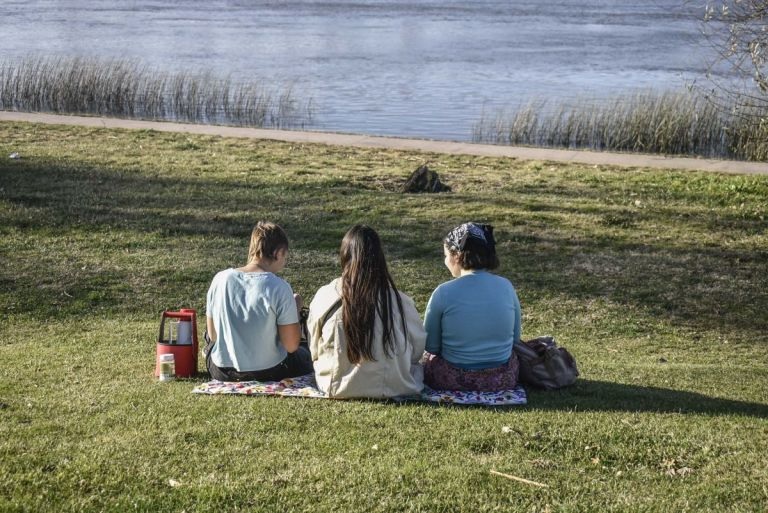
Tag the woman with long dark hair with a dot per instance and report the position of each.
(366, 337)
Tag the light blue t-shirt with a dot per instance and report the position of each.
(473, 321)
(246, 309)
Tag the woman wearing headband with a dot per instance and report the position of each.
(366, 337)
(472, 321)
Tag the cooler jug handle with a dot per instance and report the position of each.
(187, 316)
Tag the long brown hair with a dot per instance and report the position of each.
(366, 292)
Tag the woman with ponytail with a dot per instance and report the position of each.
(366, 337)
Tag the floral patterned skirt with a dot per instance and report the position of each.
(441, 375)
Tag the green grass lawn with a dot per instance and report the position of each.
(655, 280)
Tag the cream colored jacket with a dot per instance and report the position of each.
(400, 374)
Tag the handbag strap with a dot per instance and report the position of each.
(332, 310)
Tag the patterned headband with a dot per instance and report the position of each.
(457, 238)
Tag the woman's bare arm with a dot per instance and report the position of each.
(290, 336)
(210, 328)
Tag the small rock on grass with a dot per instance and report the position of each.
(424, 179)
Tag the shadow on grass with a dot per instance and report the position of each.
(593, 396)
(696, 285)
(604, 396)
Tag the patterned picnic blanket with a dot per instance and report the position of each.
(305, 386)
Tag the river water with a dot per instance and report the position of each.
(406, 68)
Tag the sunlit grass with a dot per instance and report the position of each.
(655, 280)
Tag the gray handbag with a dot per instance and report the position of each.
(545, 365)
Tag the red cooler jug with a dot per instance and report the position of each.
(178, 336)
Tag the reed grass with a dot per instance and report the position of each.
(670, 122)
(130, 89)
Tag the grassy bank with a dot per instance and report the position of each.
(654, 279)
(668, 123)
(129, 89)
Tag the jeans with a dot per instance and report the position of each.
(295, 364)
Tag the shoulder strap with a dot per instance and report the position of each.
(330, 312)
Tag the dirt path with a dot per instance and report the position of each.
(367, 141)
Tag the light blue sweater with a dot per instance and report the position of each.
(473, 321)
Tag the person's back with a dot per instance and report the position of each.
(252, 316)
(247, 308)
(479, 320)
(385, 375)
(366, 338)
(472, 321)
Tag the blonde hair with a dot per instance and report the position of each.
(266, 239)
